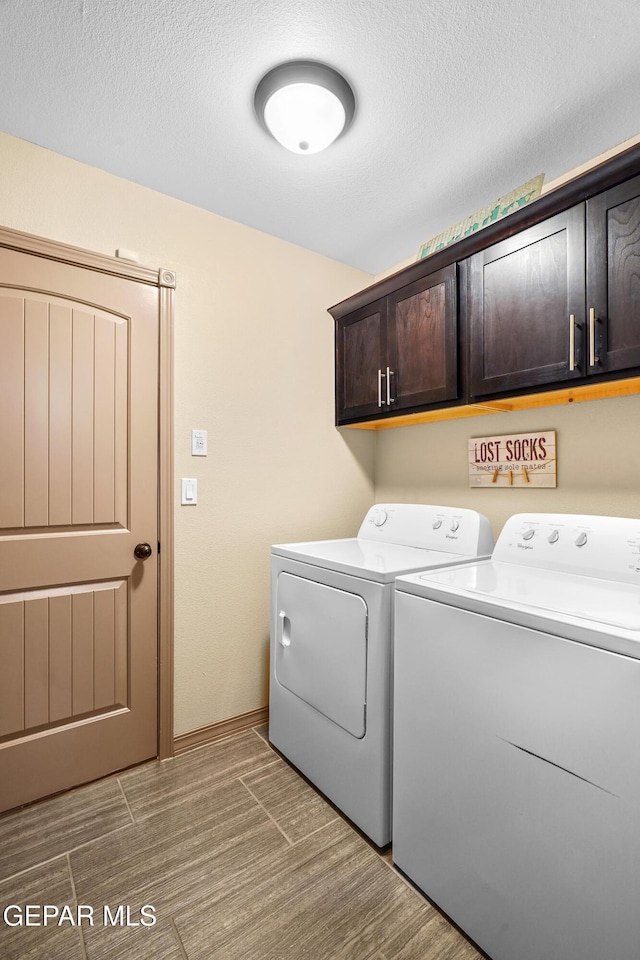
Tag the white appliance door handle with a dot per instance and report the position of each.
(284, 629)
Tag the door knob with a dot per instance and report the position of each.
(142, 551)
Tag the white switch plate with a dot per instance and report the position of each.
(198, 443)
(189, 491)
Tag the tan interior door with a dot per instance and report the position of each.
(78, 493)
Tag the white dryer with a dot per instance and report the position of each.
(331, 622)
(516, 726)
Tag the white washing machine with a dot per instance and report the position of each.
(516, 732)
(331, 622)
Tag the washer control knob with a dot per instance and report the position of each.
(528, 534)
(454, 525)
(380, 517)
(436, 524)
(581, 539)
(553, 536)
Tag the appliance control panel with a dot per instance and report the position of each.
(606, 547)
(447, 529)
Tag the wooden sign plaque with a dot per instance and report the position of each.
(482, 218)
(515, 460)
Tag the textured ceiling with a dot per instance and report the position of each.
(458, 101)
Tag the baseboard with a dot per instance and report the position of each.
(220, 730)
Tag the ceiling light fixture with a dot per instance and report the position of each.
(305, 105)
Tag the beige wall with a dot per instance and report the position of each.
(598, 461)
(253, 366)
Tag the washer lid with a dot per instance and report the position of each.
(562, 603)
(368, 559)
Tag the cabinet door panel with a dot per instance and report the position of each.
(521, 295)
(359, 358)
(423, 341)
(613, 276)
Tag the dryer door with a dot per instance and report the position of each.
(321, 649)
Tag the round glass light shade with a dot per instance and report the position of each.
(304, 117)
(304, 105)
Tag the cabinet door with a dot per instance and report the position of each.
(422, 342)
(613, 278)
(360, 358)
(521, 296)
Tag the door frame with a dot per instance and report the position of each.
(165, 281)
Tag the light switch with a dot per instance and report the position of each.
(198, 443)
(189, 491)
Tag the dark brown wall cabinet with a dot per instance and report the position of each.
(559, 301)
(400, 352)
(549, 300)
(521, 296)
(613, 279)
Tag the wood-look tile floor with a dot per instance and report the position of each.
(237, 855)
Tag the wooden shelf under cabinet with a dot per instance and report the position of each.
(590, 391)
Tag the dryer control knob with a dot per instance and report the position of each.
(454, 525)
(436, 524)
(581, 540)
(380, 517)
(528, 534)
(553, 536)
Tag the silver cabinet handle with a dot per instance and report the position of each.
(379, 388)
(592, 337)
(572, 342)
(389, 375)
